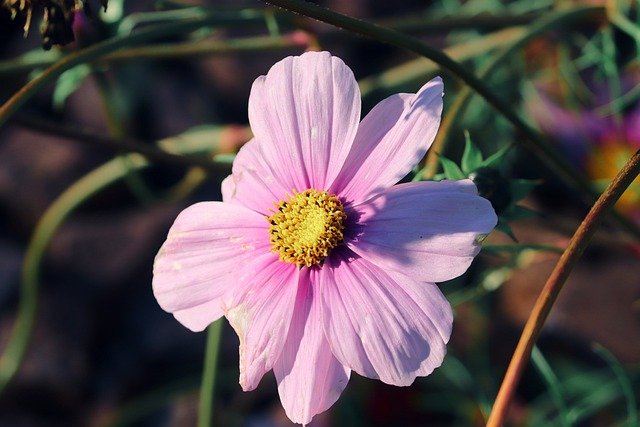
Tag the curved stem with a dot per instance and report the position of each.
(623, 379)
(170, 51)
(534, 142)
(77, 194)
(205, 406)
(424, 24)
(42, 235)
(418, 69)
(94, 52)
(554, 284)
(535, 30)
(149, 151)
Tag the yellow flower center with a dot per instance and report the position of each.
(604, 163)
(306, 227)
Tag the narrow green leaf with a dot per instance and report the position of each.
(623, 379)
(460, 376)
(496, 158)
(471, 157)
(506, 229)
(555, 387)
(68, 83)
(451, 170)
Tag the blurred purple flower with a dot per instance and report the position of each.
(598, 144)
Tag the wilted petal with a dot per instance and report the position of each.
(196, 264)
(383, 325)
(260, 311)
(310, 378)
(304, 114)
(390, 141)
(427, 230)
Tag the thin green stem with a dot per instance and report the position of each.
(77, 194)
(42, 235)
(417, 69)
(148, 150)
(556, 20)
(554, 284)
(169, 51)
(624, 381)
(207, 48)
(28, 62)
(94, 52)
(426, 24)
(207, 389)
(533, 141)
(553, 384)
(110, 96)
(412, 23)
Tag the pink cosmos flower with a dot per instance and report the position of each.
(321, 265)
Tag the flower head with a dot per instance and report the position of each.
(321, 265)
(598, 143)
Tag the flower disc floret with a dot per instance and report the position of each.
(306, 227)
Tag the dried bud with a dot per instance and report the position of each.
(57, 17)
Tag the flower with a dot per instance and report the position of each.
(321, 265)
(599, 144)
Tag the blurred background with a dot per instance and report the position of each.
(81, 218)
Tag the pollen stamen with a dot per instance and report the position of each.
(306, 227)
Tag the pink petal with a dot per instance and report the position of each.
(252, 183)
(427, 230)
(260, 312)
(383, 325)
(228, 189)
(196, 264)
(391, 140)
(310, 379)
(304, 114)
(198, 317)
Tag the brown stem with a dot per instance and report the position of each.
(554, 284)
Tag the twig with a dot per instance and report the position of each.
(127, 145)
(554, 284)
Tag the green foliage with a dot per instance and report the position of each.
(502, 192)
(572, 392)
(68, 83)
(451, 169)
(471, 157)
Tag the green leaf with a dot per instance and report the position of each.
(494, 160)
(471, 157)
(626, 384)
(553, 385)
(451, 170)
(69, 82)
(506, 229)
